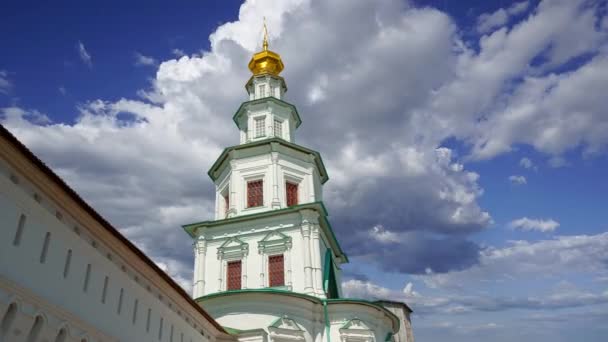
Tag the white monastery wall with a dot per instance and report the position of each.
(44, 251)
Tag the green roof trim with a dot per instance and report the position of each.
(227, 151)
(266, 99)
(305, 296)
(316, 206)
(232, 331)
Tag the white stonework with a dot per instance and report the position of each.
(66, 276)
(249, 230)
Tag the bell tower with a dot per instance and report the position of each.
(271, 229)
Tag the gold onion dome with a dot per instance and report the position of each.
(266, 61)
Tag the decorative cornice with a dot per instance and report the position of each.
(274, 145)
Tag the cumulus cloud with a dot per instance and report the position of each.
(84, 55)
(488, 21)
(144, 60)
(383, 145)
(540, 225)
(552, 258)
(5, 84)
(518, 180)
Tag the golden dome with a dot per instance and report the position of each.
(266, 61)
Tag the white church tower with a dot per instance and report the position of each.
(269, 265)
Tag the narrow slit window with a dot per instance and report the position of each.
(87, 275)
(276, 270)
(255, 193)
(278, 128)
(234, 275)
(134, 318)
(119, 309)
(260, 129)
(68, 261)
(148, 320)
(45, 247)
(19, 232)
(160, 330)
(291, 193)
(104, 291)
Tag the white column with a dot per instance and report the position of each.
(311, 186)
(308, 216)
(244, 272)
(263, 270)
(276, 202)
(288, 269)
(232, 188)
(200, 250)
(316, 261)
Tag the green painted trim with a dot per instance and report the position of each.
(327, 321)
(226, 154)
(317, 206)
(232, 331)
(265, 99)
(389, 337)
(325, 302)
(264, 290)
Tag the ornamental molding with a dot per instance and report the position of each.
(286, 329)
(233, 248)
(274, 242)
(355, 330)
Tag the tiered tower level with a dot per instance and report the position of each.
(271, 228)
(270, 261)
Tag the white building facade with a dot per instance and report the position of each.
(268, 267)
(67, 275)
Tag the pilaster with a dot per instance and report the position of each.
(309, 219)
(200, 251)
(276, 202)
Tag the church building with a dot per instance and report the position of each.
(267, 268)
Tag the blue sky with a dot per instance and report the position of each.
(465, 141)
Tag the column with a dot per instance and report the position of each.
(263, 270)
(276, 202)
(244, 272)
(307, 218)
(232, 187)
(289, 281)
(316, 261)
(200, 250)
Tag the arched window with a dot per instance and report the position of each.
(35, 330)
(7, 321)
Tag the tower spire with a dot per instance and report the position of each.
(265, 44)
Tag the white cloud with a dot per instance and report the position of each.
(526, 163)
(144, 60)
(178, 52)
(518, 180)
(62, 90)
(487, 22)
(382, 145)
(382, 235)
(553, 258)
(85, 56)
(5, 84)
(540, 225)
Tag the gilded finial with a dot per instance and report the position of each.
(266, 61)
(265, 44)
